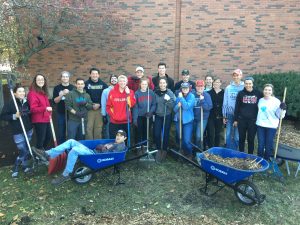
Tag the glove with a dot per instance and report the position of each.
(180, 95)
(104, 120)
(82, 103)
(283, 106)
(80, 114)
(149, 114)
(201, 97)
(167, 97)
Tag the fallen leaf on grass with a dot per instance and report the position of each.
(2, 214)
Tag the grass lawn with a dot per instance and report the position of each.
(166, 193)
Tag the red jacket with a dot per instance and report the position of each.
(116, 105)
(38, 103)
(134, 83)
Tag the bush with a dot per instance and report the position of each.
(291, 81)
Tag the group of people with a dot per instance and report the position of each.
(92, 109)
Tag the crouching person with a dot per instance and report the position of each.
(75, 149)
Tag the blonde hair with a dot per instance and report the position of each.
(122, 77)
(271, 86)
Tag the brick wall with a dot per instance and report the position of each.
(207, 37)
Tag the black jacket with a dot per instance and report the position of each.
(9, 111)
(170, 81)
(217, 100)
(94, 89)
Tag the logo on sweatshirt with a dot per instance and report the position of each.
(249, 99)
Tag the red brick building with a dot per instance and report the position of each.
(206, 37)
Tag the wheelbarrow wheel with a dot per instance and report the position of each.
(250, 189)
(80, 170)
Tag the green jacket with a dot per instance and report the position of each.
(73, 100)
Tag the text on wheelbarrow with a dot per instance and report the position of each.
(105, 160)
(218, 170)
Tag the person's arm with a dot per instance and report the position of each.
(89, 104)
(103, 101)
(109, 105)
(151, 85)
(238, 103)
(7, 113)
(171, 102)
(131, 99)
(34, 104)
(153, 102)
(187, 103)
(207, 102)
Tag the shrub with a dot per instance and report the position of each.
(290, 80)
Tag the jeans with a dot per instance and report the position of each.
(265, 138)
(198, 132)
(75, 149)
(43, 134)
(161, 131)
(232, 142)
(187, 130)
(214, 131)
(247, 127)
(61, 125)
(24, 154)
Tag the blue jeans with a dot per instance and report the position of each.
(61, 126)
(232, 142)
(265, 138)
(198, 132)
(187, 130)
(75, 148)
(24, 154)
(159, 129)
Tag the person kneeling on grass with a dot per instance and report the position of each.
(75, 149)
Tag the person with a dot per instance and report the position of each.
(105, 117)
(215, 119)
(59, 94)
(134, 81)
(118, 106)
(185, 102)
(185, 79)
(78, 103)
(75, 149)
(94, 86)
(40, 110)
(269, 111)
(230, 94)
(162, 67)
(9, 113)
(245, 114)
(143, 110)
(202, 100)
(208, 82)
(165, 100)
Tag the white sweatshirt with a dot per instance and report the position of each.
(269, 112)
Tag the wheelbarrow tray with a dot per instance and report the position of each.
(289, 153)
(101, 160)
(225, 173)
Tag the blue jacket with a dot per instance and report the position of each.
(205, 103)
(230, 94)
(187, 105)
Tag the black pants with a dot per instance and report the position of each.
(247, 127)
(43, 134)
(142, 128)
(214, 129)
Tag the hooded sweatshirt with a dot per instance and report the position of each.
(94, 89)
(134, 83)
(230, 94)
(116, 105)
(141, 106)
(162, 104)
(187, 105)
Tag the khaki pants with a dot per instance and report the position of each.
(94, 125)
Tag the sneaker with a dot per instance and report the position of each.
(59, 180)
(28, 171)
(15, 174)
(41, 154)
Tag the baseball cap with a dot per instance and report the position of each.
(139, 68)
(185, 85)
(185, 72)
(122, 132)
(238, 71)
(200, 83)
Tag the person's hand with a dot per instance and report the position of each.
(201, 97)
(18, 114)
(167, 97)
(180, 95)
(61, 93)
(224, 120)
(80, 114)
(235, 123)
(149, 114)
(283, 106)
(104, 120)
(179, 104)
(96, 106)
(49, 109)
(127, 90)
(65, 91)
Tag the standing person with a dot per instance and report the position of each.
(202, 100)
(230, 94)
(208, 82)
(162, 67)
(165, 100)
(215, 119)
(185, 74)
(185, 102)
(105, 117)
(118, 106)
(143, 110)
(246, 108)
(94, 87)
(269, 110)
(78, 103)
(134, 81)
(10, 114)
(40, 110)
(59, 94)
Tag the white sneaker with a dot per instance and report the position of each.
(15, 174)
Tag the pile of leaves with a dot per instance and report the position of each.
(238, 163)
(290, 135)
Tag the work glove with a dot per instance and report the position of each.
(80, 114)
(104, 120)
(135, 123)
(167, 97)
(283, 106)
(180, 95)
(148, 114)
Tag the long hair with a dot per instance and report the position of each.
(35, 87)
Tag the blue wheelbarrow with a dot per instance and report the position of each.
(88, 165)
(237, 179)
